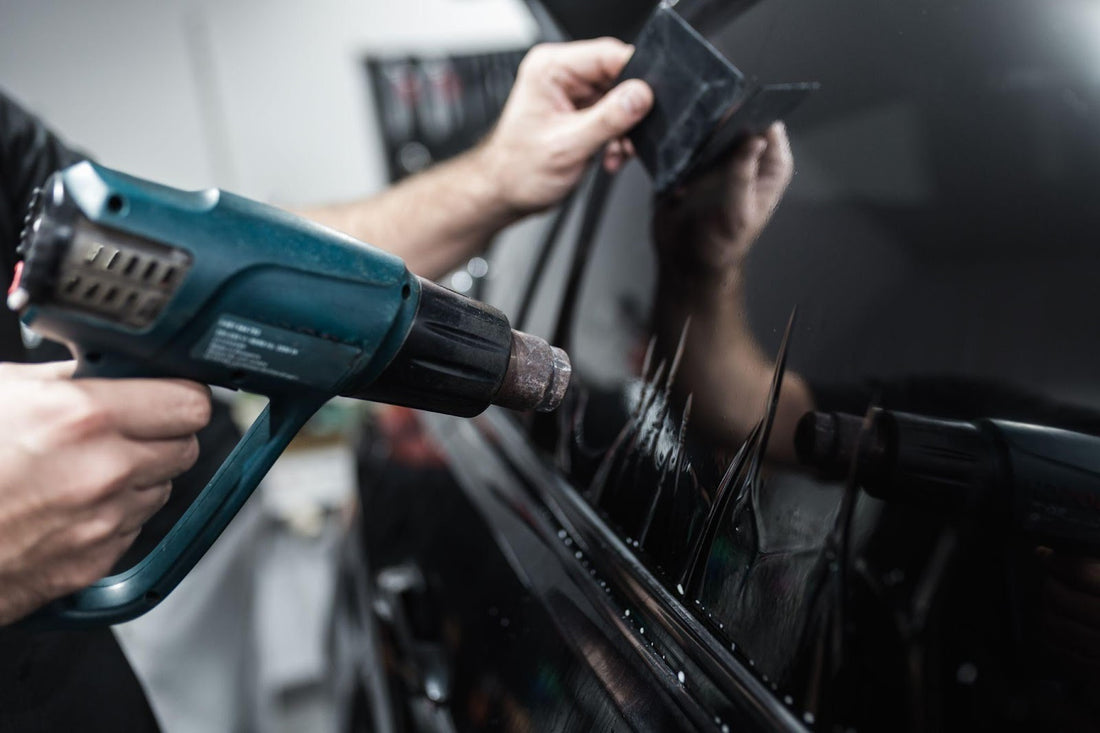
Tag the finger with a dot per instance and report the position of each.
(48, 371)
(597, 62)
(142, 504)
(611, 117)
(119, 515)
(114, 549)
(154, 462)
(628, 148)
(613, 156)
(100, 469)
(612, 161)
(151, 408)
(745, 166)
(777, 161)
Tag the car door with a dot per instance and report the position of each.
(656, 555)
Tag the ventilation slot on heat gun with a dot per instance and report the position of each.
(118, 276)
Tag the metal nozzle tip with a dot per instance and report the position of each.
(537, 377)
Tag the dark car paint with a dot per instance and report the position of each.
(939, 243)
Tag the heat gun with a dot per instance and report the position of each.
(1044, 480)
(143, 280)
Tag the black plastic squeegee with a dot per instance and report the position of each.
(703, 105)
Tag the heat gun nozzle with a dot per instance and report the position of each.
(537, 377)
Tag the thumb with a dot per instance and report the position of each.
(613, 116)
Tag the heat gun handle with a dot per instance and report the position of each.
(122, 597)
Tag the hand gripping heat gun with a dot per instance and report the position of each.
(142, 280)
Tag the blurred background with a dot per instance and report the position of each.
(294, 104)
(269, 99)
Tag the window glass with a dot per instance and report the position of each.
(938, 242)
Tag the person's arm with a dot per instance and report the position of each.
(558, 116)
(84, 463)
(703, 236)
(29, 153)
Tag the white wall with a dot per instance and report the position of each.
(264, 97)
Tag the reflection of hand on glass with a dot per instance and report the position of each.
(703, 234)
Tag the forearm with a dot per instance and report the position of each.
(559, 114)
(434, 220)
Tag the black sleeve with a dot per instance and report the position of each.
(72, 680)
(29, 153)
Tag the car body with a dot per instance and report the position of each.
(621, 566)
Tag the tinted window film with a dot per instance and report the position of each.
(938, 244)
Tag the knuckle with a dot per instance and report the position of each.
(110, 475)
(97, 529)
(82, 493)
(537, 56)
(85, 417)
(561, 152)
(541, 59)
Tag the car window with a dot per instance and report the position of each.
(934, 255)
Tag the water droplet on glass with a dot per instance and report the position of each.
(562, 534)
(578, 554)
(433, 689)
(681, 676)
(627, 613)
(788, 699)
(680, 589)
(808, 717)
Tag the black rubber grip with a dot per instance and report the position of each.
(453, 360)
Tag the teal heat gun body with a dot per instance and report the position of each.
(142, 280)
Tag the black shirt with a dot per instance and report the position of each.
(51, 680)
